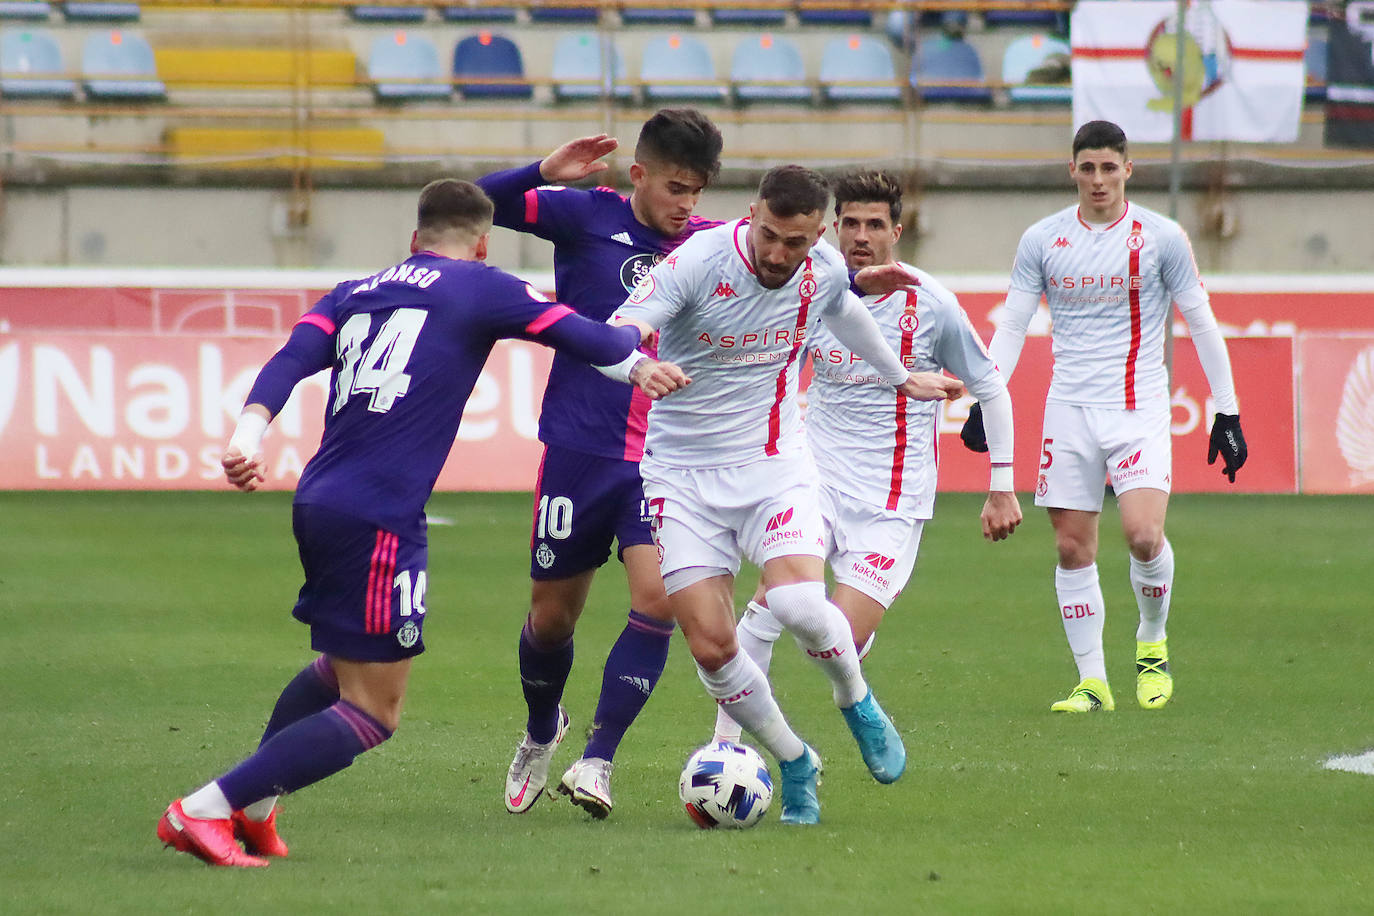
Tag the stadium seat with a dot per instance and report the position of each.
(768, 68)
(832, 15)
(1034, 19)
(488, 55)
(102, 12)
(1314, 61)
(540, 12)
(405, 65)
(470, 13)
(387, 13)
(949, 21)
(658, 15)
(1029, 53)
(846, 62)
(945, 59)
(120, 65)
(587, 67)
(748, 15)
(31, 66)
(669, 60)
(19, 9)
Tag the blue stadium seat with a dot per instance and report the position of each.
(471, 13)
(488, 55)
(586, 66)
(539, 12)
(1033, 19)
(858, 59)
(768, 68)
(834, 15)
(22, 9)
(748, 15)
(658, 15)
(945, 59)
(370, 13)
(669, 61)
(102, 12)
(31, 66)
(405, 65)
(1026, 54)
(1314, 61)
(120, 65)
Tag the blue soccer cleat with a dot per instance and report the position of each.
(799, 779)
(879, 742)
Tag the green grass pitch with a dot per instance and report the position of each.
(146, 636)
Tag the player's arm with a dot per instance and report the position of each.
(853, 324)
(611, 348)
(522, 206)
(309, 349)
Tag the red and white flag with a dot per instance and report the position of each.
(1243, 75)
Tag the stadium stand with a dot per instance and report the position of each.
(120, 65)
(24, 10)
(543, 12)
(405, 66)
(678, 68)
(369, 13)
(487, 56)
(1031, 53)
(1027, 18)
(833, 14)
(586, 66)
(858, 69)
(768, 68)
(471, 13)
(348, 147)
(748, 15)
(31, 66)
(101, 12)
(658, 15)
(947, 69)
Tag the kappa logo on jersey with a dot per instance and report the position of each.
(1125, 464)
(1061, 242)
(878, 561)
(908, 323)
(623, 238)
(1135, 241)
(778, 521)
(636, 267)
(724, 289)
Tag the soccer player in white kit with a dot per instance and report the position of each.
(1110, 270)
(875, 450)
(727, 469)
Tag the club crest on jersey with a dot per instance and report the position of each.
(408, 635)
(908, 323)
(544, 556)
(1042, 486)
(1135, 241)
(636, 267)
(807, 288)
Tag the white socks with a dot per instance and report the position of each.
(822, 630)
(207, 802)
(758, 629)
(1083, 610)
(1152, 583)
(741, 690)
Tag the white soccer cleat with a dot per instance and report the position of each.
(529, 771)
(588, 785)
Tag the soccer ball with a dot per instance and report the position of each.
(725, 785)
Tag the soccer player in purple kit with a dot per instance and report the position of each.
(406, 346)
(588, 492)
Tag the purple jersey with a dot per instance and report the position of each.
(406, 347)
(600, 252)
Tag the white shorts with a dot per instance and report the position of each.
(871, 549)
(710, 516)
(1085, 446)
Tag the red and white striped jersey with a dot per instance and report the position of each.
(870, 442)
(1110, 290)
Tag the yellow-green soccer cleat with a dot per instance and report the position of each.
(1154, 684)
(1090, 695)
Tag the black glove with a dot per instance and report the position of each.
(975, 440)
(1229, 442)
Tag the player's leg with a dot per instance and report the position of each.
(872, 556)
(756, 632)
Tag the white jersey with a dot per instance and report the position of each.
(740, 343)
(1110, 290)
(869, 442)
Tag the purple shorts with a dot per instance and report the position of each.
(581, 503)
(364, 588)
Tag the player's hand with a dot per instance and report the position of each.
(1229, 442)
(658, 379)
(931, 386)
(972, 435)
(578, 158)
(241, 471)
(881, 279)
(1001, 515)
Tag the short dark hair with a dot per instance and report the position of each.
(683, 137)
(1099, 135)
(869, 186)
(792, 189)
(454, 205)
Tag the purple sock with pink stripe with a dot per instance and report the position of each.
(303, 753)
(315, 688)
(632, 669)
(543, 675)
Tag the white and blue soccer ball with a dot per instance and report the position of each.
(725, 785)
